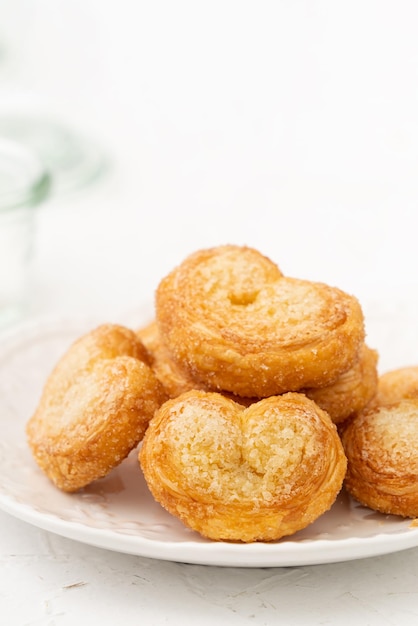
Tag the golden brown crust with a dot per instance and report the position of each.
(95, 407)
(230, 319)
(243, 474)
(352, 391)
(382, 452)
(174, 380)
(398, 384)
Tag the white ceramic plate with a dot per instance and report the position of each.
(118, 512)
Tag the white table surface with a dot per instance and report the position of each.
(288, 126)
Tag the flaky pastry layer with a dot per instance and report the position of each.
(352, 391)
(174, 379)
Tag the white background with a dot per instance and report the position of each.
(291, 126)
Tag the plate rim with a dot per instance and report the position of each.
(218, 553)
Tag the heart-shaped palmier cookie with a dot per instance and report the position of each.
(233, 322)
(243, 474)
(95, 407)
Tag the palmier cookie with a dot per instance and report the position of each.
(398, 384)
(381, 445)
(95, 407)
(352, 391)
(243, 474)
(233, 322)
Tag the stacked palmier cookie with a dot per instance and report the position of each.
(259, 368)
(235, 392)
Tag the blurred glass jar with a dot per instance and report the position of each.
(24, 184)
